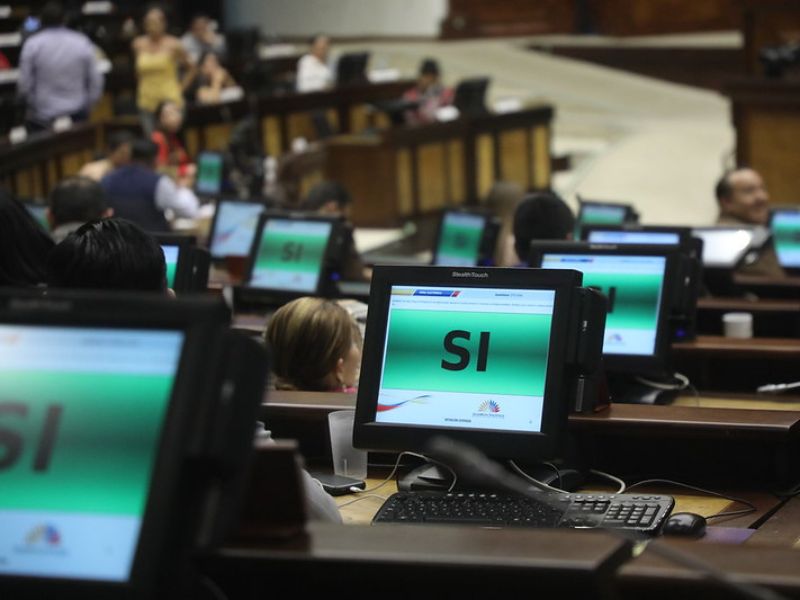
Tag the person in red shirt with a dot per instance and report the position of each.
(172, 156)
(429, 92)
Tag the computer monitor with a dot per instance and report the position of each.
(102, 399)
(210, 173)
(351, 68)
(638, 281)
(482, 355)
(637, 234)
(785, 226)
(187, 265)
(470, 96)
(605, 213)
(727, 247)
(293, 255)
(38, 212)
(233, 228)
(465, 239)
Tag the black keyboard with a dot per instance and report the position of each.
(643, 513)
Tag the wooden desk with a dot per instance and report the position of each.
(726, 446)
(416, 170)
(735, 365)
(31, 168)
(286, 117)
(769, 287)
(771, 318)
(407, 560)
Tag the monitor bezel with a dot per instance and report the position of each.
(322, 287)
(203, 193)
(631, 215)
(795, 210)
(440, 232)
(201, 321)
(653, 364)
(739, 260)
(213, 229)
(684, 233)
(368, 433)
(183, 268)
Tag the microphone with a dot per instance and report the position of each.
(470, 464)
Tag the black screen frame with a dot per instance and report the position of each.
(631, 216)
(656, 363)
(369, 434)
(160, 547)
(213, 229)
(440, 232)
(183, 268)
(324, 285)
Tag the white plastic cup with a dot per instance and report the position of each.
(347, 461)
(738, 324)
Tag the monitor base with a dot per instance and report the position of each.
(632, 392)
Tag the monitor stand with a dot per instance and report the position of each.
(626, 390)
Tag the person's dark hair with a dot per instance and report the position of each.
(325, 192)
(144, 151)
(52, 14)
(77, 199)
(109, 254)
(541, 216)
(429, 66)
(119, 138)
(313, 39)
(723, 188)
(24, 245)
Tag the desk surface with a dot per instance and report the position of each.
(720, 346)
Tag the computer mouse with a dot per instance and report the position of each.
(685, 524)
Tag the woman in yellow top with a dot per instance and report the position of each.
(158, 58)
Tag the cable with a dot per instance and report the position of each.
(361, 497)
(751, 508)
(614, 478)
(535, 482)
(683, 383)
(212, 586)
(777, 388)
(397, 465)
(558, 473)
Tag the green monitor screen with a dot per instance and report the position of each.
(460, 240)
(81, 416)
(290, 255)
(209, 173)
(634, 286)
(39, 212)
(466, 358)
(786, 235)
(171, 254)
(602, 214)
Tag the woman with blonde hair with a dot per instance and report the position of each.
(316, 346)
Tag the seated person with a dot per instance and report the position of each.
(429, 92)
(202, 37)
(172, 157)
(743, 200)
(313, 72)
(316, 346)
(211, 79)
(114, 254)
(24, 245)
(541, 216)
(108, 254)
(138, 193)
(118, 154)
(330, 198)
(73, 202)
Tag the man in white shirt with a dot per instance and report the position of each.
(313, 73)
